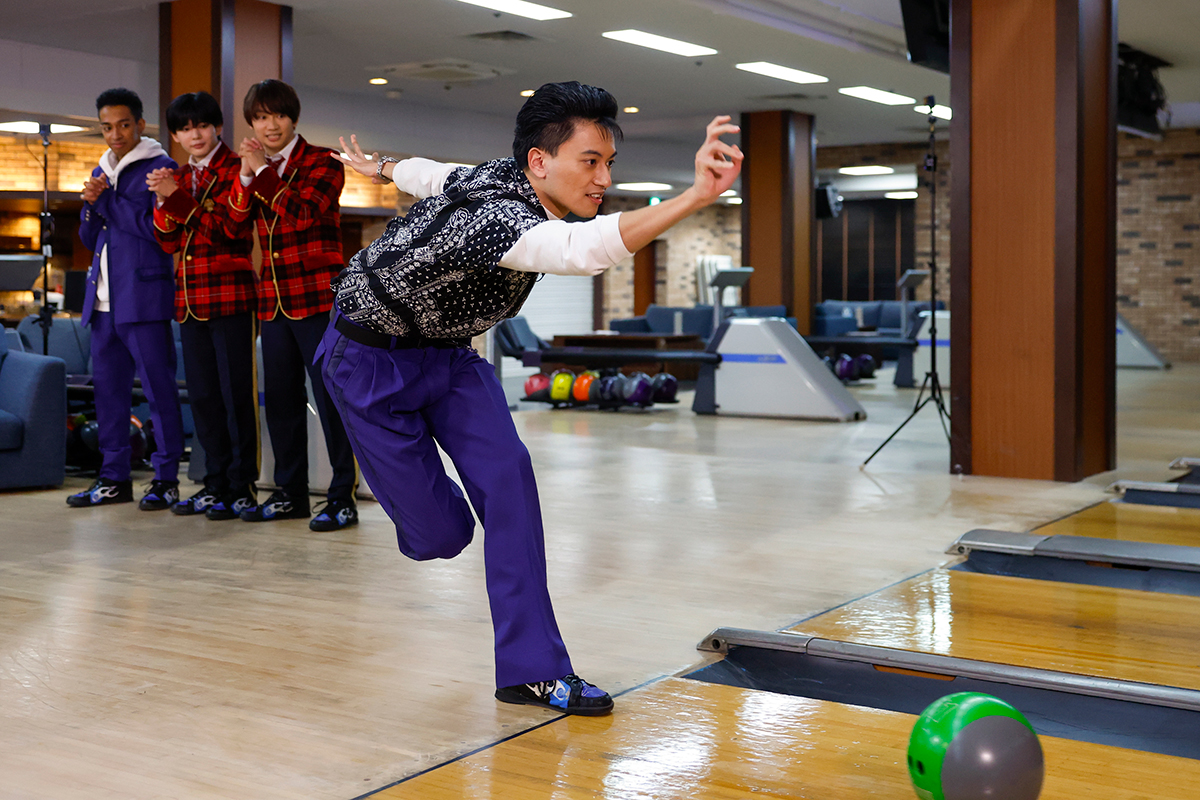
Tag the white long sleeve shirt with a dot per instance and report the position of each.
(554, 247)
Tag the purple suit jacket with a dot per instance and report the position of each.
(141, 277)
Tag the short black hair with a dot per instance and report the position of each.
(273, 97)
(120, 97)
(194, 108)
(548, 118)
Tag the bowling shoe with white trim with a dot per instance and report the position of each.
(101, 493)
(569, 694)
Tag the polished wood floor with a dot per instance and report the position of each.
(148, 656)
(1089, 630)
(1130, 522)
(682, 739)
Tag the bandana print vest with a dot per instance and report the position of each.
(436, 271)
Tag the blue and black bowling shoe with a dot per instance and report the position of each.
(569, 694)
(161, 495)
(101, 493)
(334, 515)
(280, 505)
(198, 503)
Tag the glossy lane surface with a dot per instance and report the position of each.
(681, 739)
(1089, 630)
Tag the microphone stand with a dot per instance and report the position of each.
(46, 314)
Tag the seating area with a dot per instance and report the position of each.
(884, 317)
(33, 411)
(696, 320)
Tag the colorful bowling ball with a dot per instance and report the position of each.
(581, 390)
(844, 368)
(537, 387)
(971, 746)
(827, 361)
(866, 365)
(610, 388)
(664, 386)
(638, 389)
(560, 385)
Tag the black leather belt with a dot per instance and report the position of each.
(359, 334)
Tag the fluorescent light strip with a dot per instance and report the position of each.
(729, 193)
(734, 201)
(28, 126)
(868, 170)
(647, 186)
(782, 73)
(876, 95)
(655, 42)
(521, 9)
(939, 111)
(901, 195)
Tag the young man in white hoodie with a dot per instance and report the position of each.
(129, 304)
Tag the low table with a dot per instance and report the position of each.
(634, 341)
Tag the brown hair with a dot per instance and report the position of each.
(273, 97)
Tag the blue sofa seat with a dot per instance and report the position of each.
(33, 419)
(697, 320)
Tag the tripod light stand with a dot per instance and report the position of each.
(931, 378)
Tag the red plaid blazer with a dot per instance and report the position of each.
(299, 230)
(214, 274)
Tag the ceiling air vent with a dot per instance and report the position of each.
(443, 70)
(502, 36)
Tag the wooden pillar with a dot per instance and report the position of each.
(1033, 143)
(777, 211)
(221, 47)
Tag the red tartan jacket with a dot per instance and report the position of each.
(299, 230)
(214, 273)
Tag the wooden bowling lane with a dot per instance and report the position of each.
(1130, 522)
(1122, 634)
(688, 739)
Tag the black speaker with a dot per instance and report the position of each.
(828, 203)
(927, 32)
(74, 288)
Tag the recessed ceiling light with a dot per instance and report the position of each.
(528, 92)
(876, 95)
(867, 170)
(29, 126)
(632, 109)
(662, 43)
(521, 9)
(378, 81)
(645, 186)
(941, 112)
(901, 195)
(782, 73)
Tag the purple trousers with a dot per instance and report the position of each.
(397, 406)
(118, 352)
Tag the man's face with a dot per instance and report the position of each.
(121, 131)
(272, 130)
(198, 139)
(575, 178)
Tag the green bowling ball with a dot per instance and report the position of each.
(970, 746)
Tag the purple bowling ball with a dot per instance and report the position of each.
(844, 368)
(610, 386)
(664, 386)
(639, 390)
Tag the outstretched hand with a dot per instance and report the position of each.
(353, 156)
(718, 164)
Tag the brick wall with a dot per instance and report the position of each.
(1158, 240)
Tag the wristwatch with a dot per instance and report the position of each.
(384, 160)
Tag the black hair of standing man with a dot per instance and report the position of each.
(121, 97)
(194, 108)
(547, 119)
